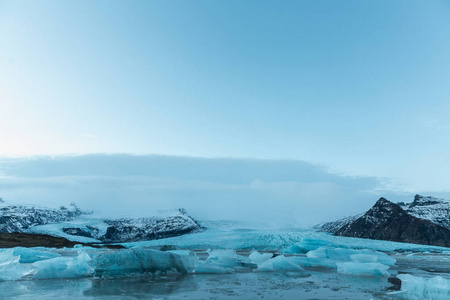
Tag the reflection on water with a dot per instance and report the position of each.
(142, 287)
(206, 286)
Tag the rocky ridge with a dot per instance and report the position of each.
(423, 221)
(67, 222)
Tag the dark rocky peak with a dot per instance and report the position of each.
(388, 221)
(383, 208)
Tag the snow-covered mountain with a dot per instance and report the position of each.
(423, 221)
(131, 230)
(74, 224)
(18, 218)
(436, 210)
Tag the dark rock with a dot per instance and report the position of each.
(19, 239)
(396, 284)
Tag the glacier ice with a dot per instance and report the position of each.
(279, 263)
(308, 244)
(10, 266)
(223, 261)
(362, 269)
(134, 261)
(342, 254)
(364, 258)
(315, 262)
(29, 255)
(258, 258)
(209, 267)
(64, 267)
(227, 258)
(417, 288)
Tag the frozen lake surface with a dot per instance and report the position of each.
(231, 261)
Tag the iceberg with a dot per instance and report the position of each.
(363, 269)
(257, 258)
(209, 267)
(308, 244)
(417, 288)
(343, 254)
(227, 258)
(279, 263)
(10, 266)
(28, 255)
(64, 267)
(315, 262)
(364, 258)
(135, 261)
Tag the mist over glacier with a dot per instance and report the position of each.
(273, 192)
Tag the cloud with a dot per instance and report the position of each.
(270, 191)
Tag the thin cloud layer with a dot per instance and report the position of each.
(276, 192)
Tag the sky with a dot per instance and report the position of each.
(359, 87)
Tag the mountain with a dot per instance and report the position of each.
(18, 218)
(398, 222)
(436, 210)
(131, 230)
(73, 224)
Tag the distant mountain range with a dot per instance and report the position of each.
(70, 223)
(426, 220)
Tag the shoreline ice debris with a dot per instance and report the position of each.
(418, 288)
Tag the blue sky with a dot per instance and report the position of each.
(361, 87)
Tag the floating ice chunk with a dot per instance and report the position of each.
(364, 258)
(64, 267)
(362, 269)
(228, 259)
(315, 262)
(28, 255)
(208, 267)
(424, 288)
(10, 267)
(258, 258)
(280, 263)
(342, 254)
(130, 262)
(308, 244)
